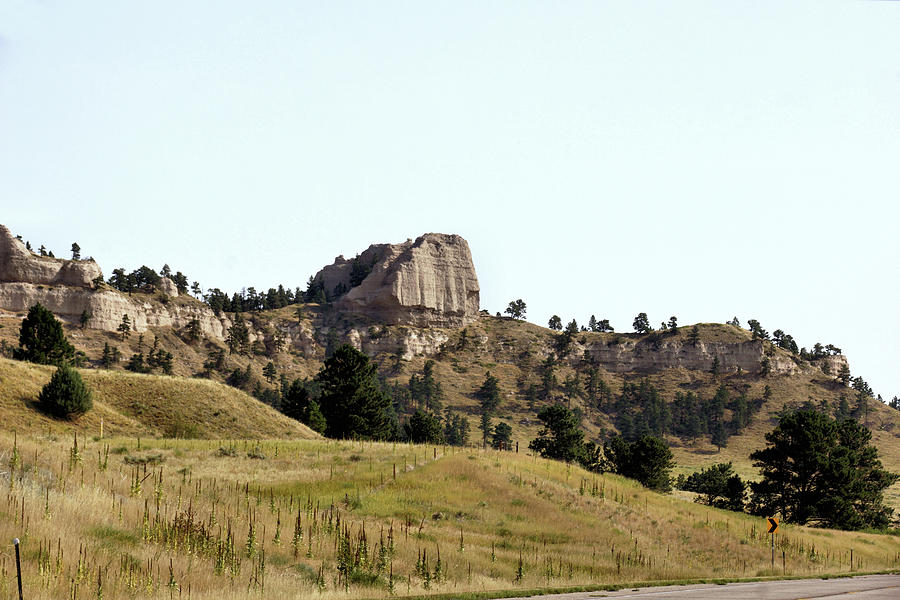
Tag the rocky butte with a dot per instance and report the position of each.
(429, 282)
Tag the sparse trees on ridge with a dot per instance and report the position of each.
(516, 309)
(641, 323)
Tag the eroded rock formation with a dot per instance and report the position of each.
(67, 289)
(429, 282)
(18, 264)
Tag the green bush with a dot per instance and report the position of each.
(66, 395)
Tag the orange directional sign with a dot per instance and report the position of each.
(773, 525)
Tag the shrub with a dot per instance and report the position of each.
(66, 395)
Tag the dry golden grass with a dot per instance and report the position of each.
(497, 520)
(145, 405)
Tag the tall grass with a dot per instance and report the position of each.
(218, 519)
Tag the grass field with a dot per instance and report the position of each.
(120, 517)
(144, 405)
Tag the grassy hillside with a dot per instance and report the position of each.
(144, 405)
(511, 350)
(214, 520)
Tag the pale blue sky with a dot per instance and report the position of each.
(701, 159)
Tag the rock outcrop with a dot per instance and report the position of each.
(429, 282)
(106, 307)
(67, 289)
(18, 264)
(629, 356)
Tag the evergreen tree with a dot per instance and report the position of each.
(844, 374)
(76, 251)
(561, 438)
(502, 437)
(694, 336)
(425, 391)
(85, 318)
(136, 363)
(164, 360)
(489, 394)
(269, 372)
(603, 325)
(555, 323)
(106, 359)
(647, 459)
(758, 332)
(456, 429)
(641, 323)
(424, 428)
(673, 324)
(66, 395)
(124, 327)
(820, 471)
(485, 426)
(41, 339)
(352, 401)
(238, 336)
(516, 309)
(592, 324)
(715, 487)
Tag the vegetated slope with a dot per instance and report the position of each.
(515, 352)
(350, 519)
(144, 405)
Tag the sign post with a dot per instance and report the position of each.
(772, 523)
(18, 566)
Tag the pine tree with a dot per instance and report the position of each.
(489, 394)
(106, 359)
(269, 372)
(238, 336)
(41, 339)
(641, 323)
(502, 437)
(66, 395)
(817, 470)
(76, 251)
(694, 336)
(352, 401)
(124, 327)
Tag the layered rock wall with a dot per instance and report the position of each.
(429, 282)
(628, 356)
(106, 308)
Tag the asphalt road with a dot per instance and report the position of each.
(869, 587)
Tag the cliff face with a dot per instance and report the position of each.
(66, 288)
(629, 356)
(106, 308)
(17, 264)
(429, 282)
